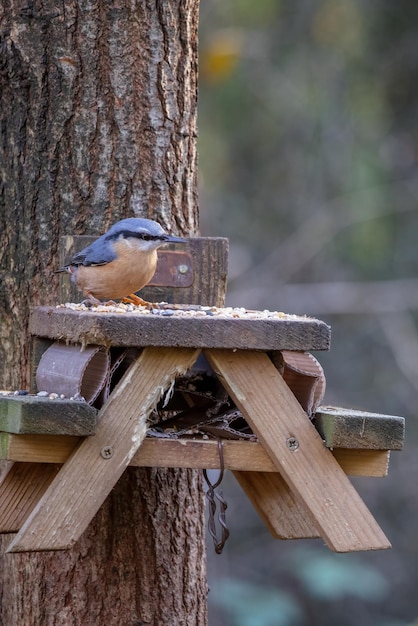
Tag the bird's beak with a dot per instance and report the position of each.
(172, 239)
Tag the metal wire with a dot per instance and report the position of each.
(213, 499)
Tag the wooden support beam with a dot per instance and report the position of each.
(39, 457)
(21, 488)
(86, 479)
(192, 453)
(284, 515)
(297, 450)
(37, 448)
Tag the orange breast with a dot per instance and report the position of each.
(131, 271)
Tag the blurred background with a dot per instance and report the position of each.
(308, 143)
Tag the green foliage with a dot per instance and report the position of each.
(309, 159)
(308, 152)
(294, 124)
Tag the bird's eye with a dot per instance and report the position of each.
(148, 237)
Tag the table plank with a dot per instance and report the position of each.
(38, 415)
(349, 428)
(129, 329)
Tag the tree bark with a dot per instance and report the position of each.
(98, 122)
(139, 562)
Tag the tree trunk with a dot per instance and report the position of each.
(98, 122)
(141, 561)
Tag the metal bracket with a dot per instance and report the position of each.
(174, 269)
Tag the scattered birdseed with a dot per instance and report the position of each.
(40, 394)
(179, 310)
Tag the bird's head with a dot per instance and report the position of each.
(140, 233)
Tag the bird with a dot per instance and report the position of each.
(123, 260)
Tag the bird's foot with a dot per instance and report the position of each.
(92, 301)
(134, 299)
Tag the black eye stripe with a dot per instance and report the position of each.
(130, 233)
(149, 237)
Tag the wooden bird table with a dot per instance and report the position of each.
(299, 487)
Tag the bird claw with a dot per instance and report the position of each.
(92, 301)
(134, 299)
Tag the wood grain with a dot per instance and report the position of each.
(192, 453)
(85, 480)
(348, 428)
(310, 470)
(33, 414)
(112, 329)
(282, 513)
(20, 490)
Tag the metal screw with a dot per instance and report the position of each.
(292, 443)
(183, 269)
(107, 452)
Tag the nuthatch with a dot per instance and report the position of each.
(121, 261)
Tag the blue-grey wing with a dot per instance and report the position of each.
(99, 252)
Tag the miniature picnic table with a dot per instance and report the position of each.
(297, 484)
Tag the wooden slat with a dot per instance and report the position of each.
(192, 453)
(33, 414)
(130, 329)
(284, 516)
(309, 469)
(86, 479)
(363, 462)
(245, 455)
(37, 448)
(349, 428)
(20, 490)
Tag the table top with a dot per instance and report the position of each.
(180, 326)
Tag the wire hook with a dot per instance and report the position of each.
(213, 498)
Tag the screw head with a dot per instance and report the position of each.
(292, 443)
(183, 269)
(106, 452)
